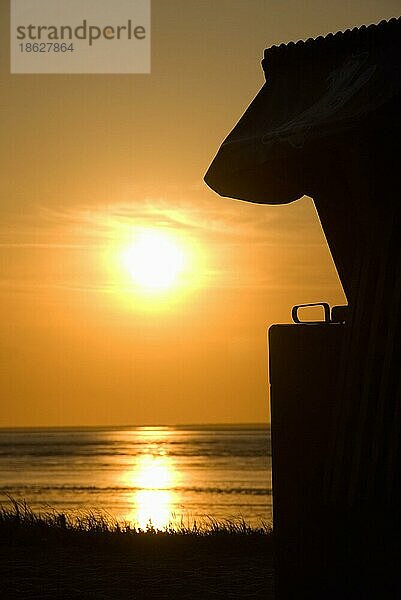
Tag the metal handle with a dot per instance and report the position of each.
(326, 308)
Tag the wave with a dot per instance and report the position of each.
(20, 489)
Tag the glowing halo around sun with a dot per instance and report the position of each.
(151, 269)
(154, 261)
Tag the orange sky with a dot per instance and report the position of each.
(89, 159)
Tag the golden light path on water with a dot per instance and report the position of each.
(153, 478)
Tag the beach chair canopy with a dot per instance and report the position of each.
(316, 93)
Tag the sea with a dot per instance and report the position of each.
(159, 476)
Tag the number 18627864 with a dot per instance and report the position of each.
(46, 47)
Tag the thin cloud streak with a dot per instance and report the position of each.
(233, 222)
(236, 235)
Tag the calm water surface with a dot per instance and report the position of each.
(142, 474)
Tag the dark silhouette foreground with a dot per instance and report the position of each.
(48, 558)
(327, 124)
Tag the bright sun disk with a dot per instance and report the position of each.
(154, 260)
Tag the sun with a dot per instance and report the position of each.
(154, 260)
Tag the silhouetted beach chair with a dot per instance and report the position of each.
(327, 124)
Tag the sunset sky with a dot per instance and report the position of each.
(90, 163)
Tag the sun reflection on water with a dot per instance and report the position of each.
(154, 479)
(154, 472)
(153, 508)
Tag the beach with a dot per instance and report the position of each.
(135, 513)
(47, 563)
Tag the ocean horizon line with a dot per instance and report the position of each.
(253, 425)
